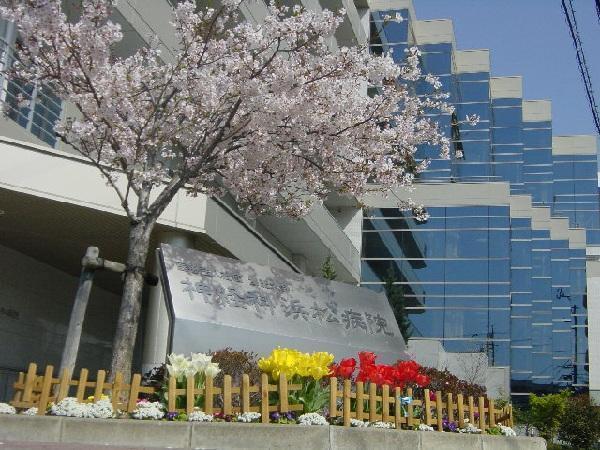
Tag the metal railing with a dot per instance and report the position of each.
(35, 108)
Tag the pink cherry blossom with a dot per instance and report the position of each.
(266, 112)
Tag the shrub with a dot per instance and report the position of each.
(236, 363)
(580, 424)
(546, 412)
(443, 380)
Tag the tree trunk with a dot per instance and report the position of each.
(131, 300)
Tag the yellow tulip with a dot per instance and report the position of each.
(292, 362)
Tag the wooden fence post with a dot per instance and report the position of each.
(482, 413)
(264, 398)
(46, 388)
(471, 410)
(409, 409)
(172, 394)
(510, 416)
(333, 394)
(64, 385)
(227, 409)
(346, 398)
(283, 394)
(461, 410)
(360, 400)
(397, 408)
(385, 403)
(492, 412)
(134, 391)
(100, 377)
(82, 384)
(427, 403)
(190, 396)
(372, 402)
(245, 393)
(209, 395)
(440, 410)
(450, 407)
(29, 382)
(116, 389)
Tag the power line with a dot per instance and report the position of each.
(567, 7)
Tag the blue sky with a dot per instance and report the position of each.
(530, 38)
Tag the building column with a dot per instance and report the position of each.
(593, 310)
(156, 327)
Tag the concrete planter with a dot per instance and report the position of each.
(159, 434)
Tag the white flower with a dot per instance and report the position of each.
(148, 410)
(248, 417)
(312, 419)
(469, 428)
(382, 425)
(30, 412)
(353, 422)
(71, 407)
(102, 409)
(5, 408)
(189, 370)
(507, 431)
(212, 370)
(358, 423)
(398, 18)
(199, 416)
(423, 427)
(178, 365)
(200, 361)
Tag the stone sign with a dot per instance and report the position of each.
(217, 302)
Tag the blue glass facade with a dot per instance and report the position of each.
(480, 277)
(575, 192)
(454, 270)
(537, 161)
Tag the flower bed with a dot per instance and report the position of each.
(308, 389)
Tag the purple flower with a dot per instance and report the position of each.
(290, 415)
(274, 415)
(172, 415)
(449, 426)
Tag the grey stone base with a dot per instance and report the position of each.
(157, 434)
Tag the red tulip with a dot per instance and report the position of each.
(422, 380)
(367, 358)
(345, 368)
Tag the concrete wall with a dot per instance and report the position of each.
(249, 436)
(350, 220)
(35, 306)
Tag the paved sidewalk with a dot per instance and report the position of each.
(28, 445)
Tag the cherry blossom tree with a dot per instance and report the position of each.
(265, 112)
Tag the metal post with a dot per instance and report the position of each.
(69, 356)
